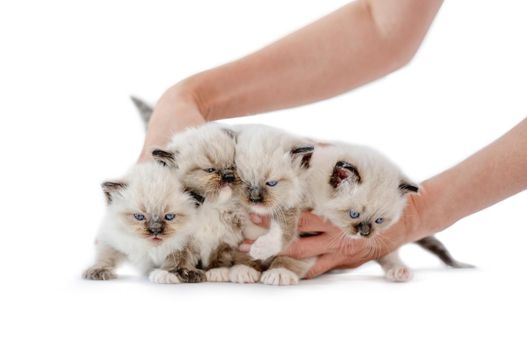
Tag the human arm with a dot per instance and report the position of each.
(355, 44)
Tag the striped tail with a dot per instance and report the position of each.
(434, 246)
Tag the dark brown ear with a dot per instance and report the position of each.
(344, 171)
(406, 188)
(111, 189)
(164, 157)
(304, 152)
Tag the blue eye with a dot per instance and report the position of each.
(139, 217)
(271, 183)
(210, 170)
(379, 221)
(354, 214)
(170, 217)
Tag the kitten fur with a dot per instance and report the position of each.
(203, 158)
(272, 166)
(136, 227)
(348, 178)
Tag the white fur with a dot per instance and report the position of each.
(163, 276)
(220, 274)
(243, 274)
(279, 277)
(270, 244)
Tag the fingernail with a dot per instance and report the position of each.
(244, 247)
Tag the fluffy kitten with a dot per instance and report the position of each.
(204, 160)
(362, 192)
(272, 166)
(147, 222)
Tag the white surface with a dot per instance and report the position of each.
(66, 70)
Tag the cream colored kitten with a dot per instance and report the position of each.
(363, 193)
(148, 222)
(272, 166)
(204, 160)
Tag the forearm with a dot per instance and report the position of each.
(354, 45)
(349, 47)
(494, 173)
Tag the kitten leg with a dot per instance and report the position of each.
(285, 271)
(245, 269)
(280, 234)
(182, 264)
(395, 270)
(106, 261)
(220, 260)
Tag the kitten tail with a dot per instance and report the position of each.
(145, 110)
(434, 246)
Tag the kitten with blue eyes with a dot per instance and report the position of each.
(272, 166)
(362, 192)
(203, 158)
(148, 222)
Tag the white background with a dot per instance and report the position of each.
(66, 70)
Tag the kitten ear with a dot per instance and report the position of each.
(406, 188)
(165, 158)
(344, 171)
(305, 152)
(111, 189)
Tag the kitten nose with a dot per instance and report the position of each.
(227, 176)
(363, 228)
(155, 228)
(255, 195)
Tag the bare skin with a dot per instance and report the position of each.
(358, 43)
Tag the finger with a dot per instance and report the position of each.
(259, 220)
(245, 246)
(323, 264)
(312, 223)
(307, 247)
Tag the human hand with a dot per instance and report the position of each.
(336, 249)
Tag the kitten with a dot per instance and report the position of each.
(362, 192)
(272, 166)
(203, 158)
(147, 222)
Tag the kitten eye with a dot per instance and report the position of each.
(139, 217)
(354, 214)
(379, 221)
(271, 183)
(210, 170)
(170, 217)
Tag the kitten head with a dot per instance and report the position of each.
(204, 158)
(149, 203)
(367, 192)
(271, 165)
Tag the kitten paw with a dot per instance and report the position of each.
(243, 274)
(279, 277)
(399, 274)
(163, 276)
(190, 276)
(220, 274)
(265, 247)
(98, 274)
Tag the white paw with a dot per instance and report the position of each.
(243, 274)
(265, 247)
(163, 276)
(220, 274)
(399, 274)
(279, 277)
